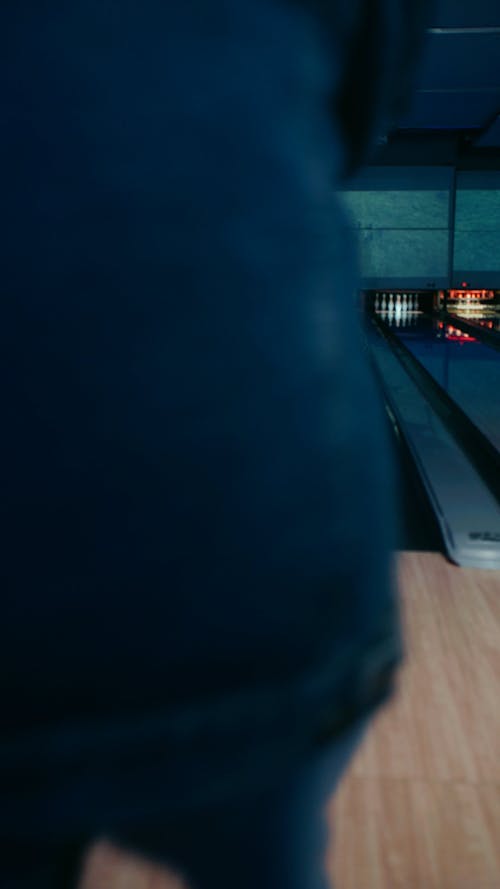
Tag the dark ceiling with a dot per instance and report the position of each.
(455, 113)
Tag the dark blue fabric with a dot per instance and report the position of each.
(272, 836)
(197, 503)
(188, 501)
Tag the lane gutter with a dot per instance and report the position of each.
(459, 468)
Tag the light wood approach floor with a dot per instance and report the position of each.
(419, 808)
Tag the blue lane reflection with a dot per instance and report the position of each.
(468, 370)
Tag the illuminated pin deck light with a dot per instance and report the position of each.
(471, 296)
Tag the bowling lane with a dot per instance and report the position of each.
(487, 320)
(468, 370)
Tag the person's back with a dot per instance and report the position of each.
(196, 558)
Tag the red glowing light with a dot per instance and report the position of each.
(458, 336)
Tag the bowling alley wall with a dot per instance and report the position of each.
(426, 228)
(476, 258)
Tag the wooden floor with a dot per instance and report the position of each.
(420, 805)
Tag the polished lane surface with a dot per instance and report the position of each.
(468, 370)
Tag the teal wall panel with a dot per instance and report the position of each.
(401, 216)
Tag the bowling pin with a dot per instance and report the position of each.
(384, 302)
(377, 303)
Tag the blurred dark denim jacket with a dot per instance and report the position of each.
(198, 499)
